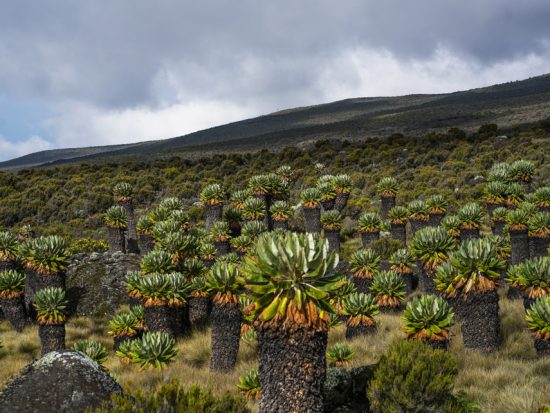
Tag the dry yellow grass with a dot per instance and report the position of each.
(512, 380)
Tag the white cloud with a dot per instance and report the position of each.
(84, 125)
(9, 149)
(368, 73)
(351, 73)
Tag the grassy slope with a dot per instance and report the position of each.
(510, 381)
(507, 104)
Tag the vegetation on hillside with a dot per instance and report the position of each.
(71, 200)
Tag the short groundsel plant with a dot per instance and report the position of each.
(123, 324)
(157, 261)
(340, 354)
(432, 247)
(311, 198)
(125, 351)
(428, 318)
(220, 231)
(398, 215)
(223, 283)
(342, 184)
(249, 384)
(451, 224)
(418, 210)
(437, 204)
(92, 349)
(153, 350)
(253, 209)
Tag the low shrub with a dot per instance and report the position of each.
(84, 245)
(172, 397)
(413, 377)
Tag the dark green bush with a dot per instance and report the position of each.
(413, 377)
(172, 397)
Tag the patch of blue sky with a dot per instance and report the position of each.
(20, 119)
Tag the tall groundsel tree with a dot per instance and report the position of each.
(51, 307)
(224, 286)
(387, 188)
(292, 281)
(470, 282)
(123, 194)
(46, 260)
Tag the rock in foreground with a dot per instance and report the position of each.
(61, 381)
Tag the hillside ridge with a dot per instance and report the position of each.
(512, 103)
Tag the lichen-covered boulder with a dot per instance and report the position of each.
(61, 381)
(95, 282)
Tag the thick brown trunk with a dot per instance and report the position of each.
(280, 225)
(341, 201)
(199, 312)
(387, 204)
(416, 225)
(312, 218)
(116, 241)
(333, 237)
(146, 243)
(519, 241)
(435, 219)
(226, 335)
(52, 337)
(213, 213)
(480, 321)
(368, 238)
(14, 311)
(159, 318)
(131, 235)
(292, 370)
(468, 233)
(538, 246)
(398, 232)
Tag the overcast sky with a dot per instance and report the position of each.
(81, 73)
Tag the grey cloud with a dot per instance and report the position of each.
(115, 54)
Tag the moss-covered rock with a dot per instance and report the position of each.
(95, 282)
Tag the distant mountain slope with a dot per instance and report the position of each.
(506, 104)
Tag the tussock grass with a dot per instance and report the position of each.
(512, 380)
